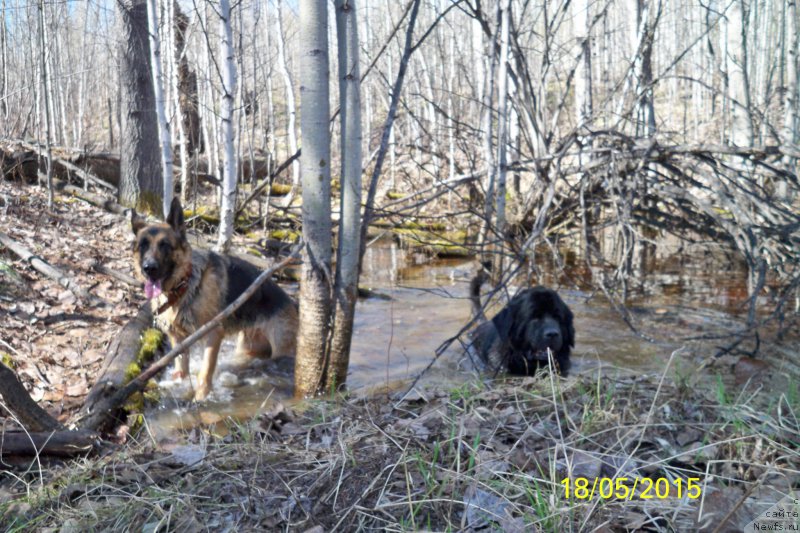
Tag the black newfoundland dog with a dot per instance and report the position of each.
(518, 338)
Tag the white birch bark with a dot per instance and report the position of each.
(346, 288)
(741, 126)
(291, 114)
(47, 102)
(270, 139)
(502, 119)
(792, 44)
(3, 68)
(173, 59)
(583, 73)
(315, 286)
(226, 117)
(161, 109)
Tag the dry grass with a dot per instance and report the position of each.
(477, 457)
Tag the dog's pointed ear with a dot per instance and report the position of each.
(175, 217)
(137, 221)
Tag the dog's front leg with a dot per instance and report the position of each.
(181, 370)
(206, 373)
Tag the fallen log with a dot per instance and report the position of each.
(45, 268)
(120, 358)
(58, 443)
(81, 173)
(19, 403)
(97, 200)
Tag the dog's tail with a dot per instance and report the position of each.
(475, 285)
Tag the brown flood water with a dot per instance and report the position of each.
(396, 339)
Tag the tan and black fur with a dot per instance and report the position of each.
(190, 287)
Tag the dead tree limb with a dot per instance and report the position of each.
(19, 403)
(45, 268)
(85, 175)
(97, 200)
(58, 443)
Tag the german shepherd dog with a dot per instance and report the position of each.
(187, 288)
(520, 337)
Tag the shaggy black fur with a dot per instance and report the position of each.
(517, 339)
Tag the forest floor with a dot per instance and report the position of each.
(483, 456)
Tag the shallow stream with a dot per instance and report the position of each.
(396, 338)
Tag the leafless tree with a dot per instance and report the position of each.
(349, 245)
(140, 176)
(315, 162)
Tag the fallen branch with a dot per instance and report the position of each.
(20, 404)
(45, 268)
(59, 443)
(102, 412)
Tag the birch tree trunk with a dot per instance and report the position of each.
(741, 126)
(583, 74)
(140, 175)
(502, 128)
(226, 111)
(283, 64)
(174, 59)
(792, 43)
(47, 104)
(315, 287)
(488, 144)
(346, 288)
(3, 68)
(161, 110)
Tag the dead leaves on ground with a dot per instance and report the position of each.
(56, 341)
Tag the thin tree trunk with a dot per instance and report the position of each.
(283, 64)
(583, 74)
(47, 103)
(4, 67)
(487, 122)
(502, 136)
(226, 110)
(140, 183)
(174, 59)
(792, 41)
(161, 110)
(346, 288)
(643, 69)
(741, 127)
(315, 287)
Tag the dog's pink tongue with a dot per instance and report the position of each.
(152, 289)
